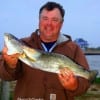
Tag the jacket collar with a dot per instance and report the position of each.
(62, 38)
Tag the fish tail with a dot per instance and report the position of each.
(93, 74)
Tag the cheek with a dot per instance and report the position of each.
(54, 26)
(42, 25)
(57, 27)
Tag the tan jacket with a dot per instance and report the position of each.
(34, 84)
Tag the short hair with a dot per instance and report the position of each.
(51, 5)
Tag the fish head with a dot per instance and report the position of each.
(12, 43)
(9, 37)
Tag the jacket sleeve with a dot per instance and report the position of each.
(83, 84)
(7, 73)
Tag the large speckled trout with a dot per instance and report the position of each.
(51, 62)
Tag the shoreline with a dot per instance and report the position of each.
(91, 52)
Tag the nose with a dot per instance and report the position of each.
(49, 21)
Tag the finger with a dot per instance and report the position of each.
(69, 72)
(65, 72)
(61, 78)
(4, 51)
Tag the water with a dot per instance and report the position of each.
(94, 62)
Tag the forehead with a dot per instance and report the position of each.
(52, 13)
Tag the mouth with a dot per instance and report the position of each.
(48, 29)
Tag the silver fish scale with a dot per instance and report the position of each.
(51, 62)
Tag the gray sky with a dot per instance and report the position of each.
(82, 18)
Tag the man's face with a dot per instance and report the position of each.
(50, 23)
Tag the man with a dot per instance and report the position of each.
(34, 84)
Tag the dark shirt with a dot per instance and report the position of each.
(48, 45)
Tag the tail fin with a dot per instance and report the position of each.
(93, 74)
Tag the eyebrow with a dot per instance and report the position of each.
(51, 18)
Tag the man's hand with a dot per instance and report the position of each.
(11, 60)
(68, 79)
